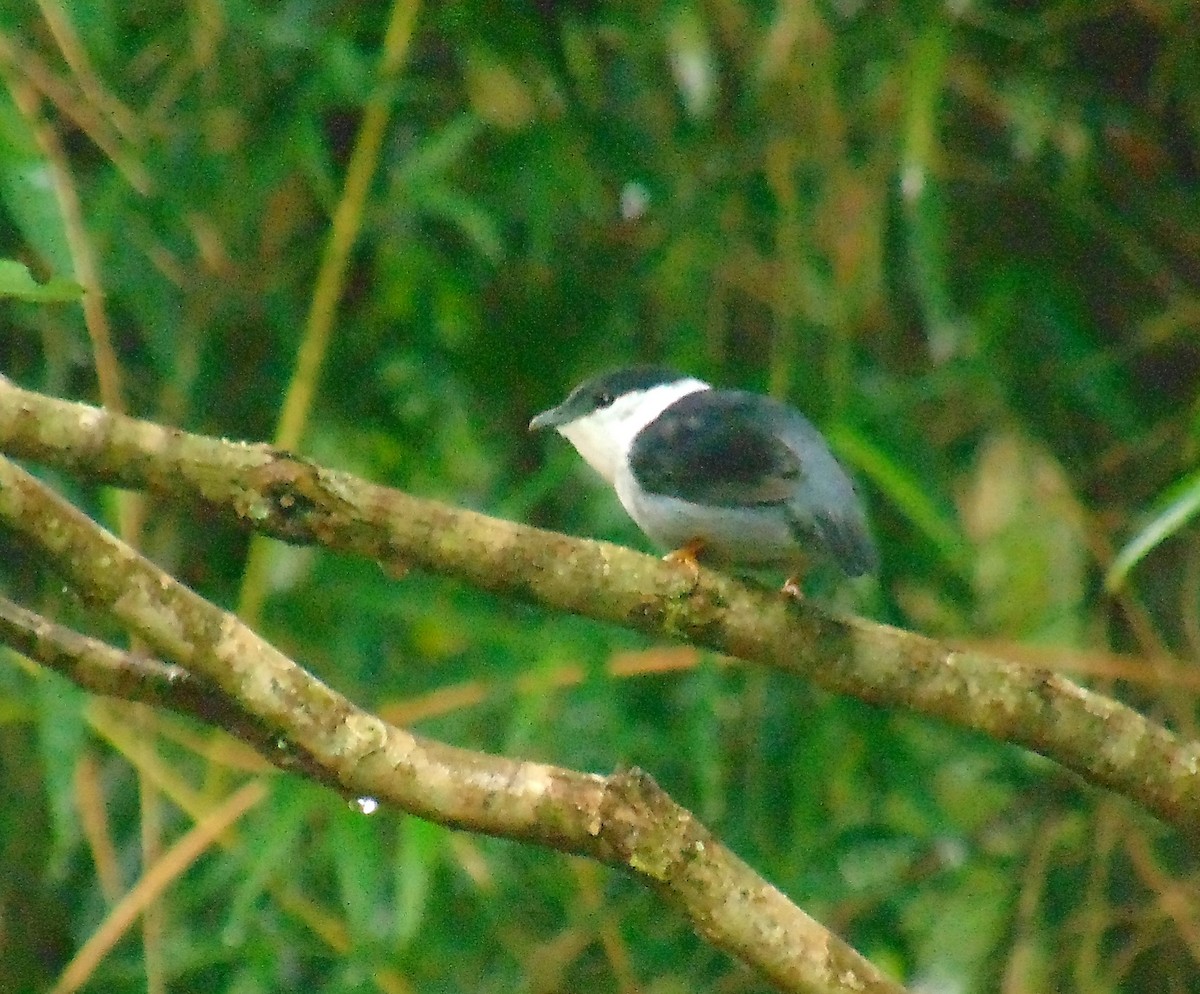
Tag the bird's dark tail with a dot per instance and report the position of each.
(849, 543)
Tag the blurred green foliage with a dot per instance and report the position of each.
(963, 238)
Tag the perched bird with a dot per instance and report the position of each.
(732, 477)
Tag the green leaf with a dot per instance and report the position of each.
(355, 848)
(271, 844)
(925, 210)
(473, 221)
(417, 855)
(17, 281)
(1177, 506)
(27, 189)
(442, 151)
(910, 495)
(60, 741)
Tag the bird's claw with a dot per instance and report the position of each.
(687, 556)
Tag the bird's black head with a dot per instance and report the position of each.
(601, 390)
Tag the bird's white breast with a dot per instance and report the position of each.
(747, 536)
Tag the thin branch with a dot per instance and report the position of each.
(91, 120)
(1105, 742)
(132, 676)
(92, 664)
(93, 818)
(131, 506)
(74, 53)
(624, 819)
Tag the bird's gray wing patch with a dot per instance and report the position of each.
(710, 448)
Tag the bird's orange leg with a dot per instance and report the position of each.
(687, 556)
(792, 586)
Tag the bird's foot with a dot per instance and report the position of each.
(687, 556)
(791, 588)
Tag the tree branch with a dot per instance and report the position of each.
(131, 676)
(1102, 740)
(624, 819)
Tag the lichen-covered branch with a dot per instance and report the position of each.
(1104, 741)
(624, 819)
(103, 669)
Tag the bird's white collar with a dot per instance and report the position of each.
(603, 437)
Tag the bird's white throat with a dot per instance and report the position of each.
(603, 437)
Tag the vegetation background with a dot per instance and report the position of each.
(964, 238)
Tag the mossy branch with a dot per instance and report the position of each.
(235, 678)
(273, 492)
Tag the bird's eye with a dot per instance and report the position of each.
(604, 399)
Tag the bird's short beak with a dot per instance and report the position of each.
(547, 419)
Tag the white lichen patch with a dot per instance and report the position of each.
(258, 510)
(91, 418)
(533, 780)
(1123, 744)
(342, 486)
(988, 687)
(499, 781)
(358, 734)
(255, 661)
(870, 662)
(1091, 701)
(1186, 761)
(952, 677)
(159, 625)
(1094, 704)
(605, 563)
(153, 440)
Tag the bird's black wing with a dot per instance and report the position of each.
(715, 448)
